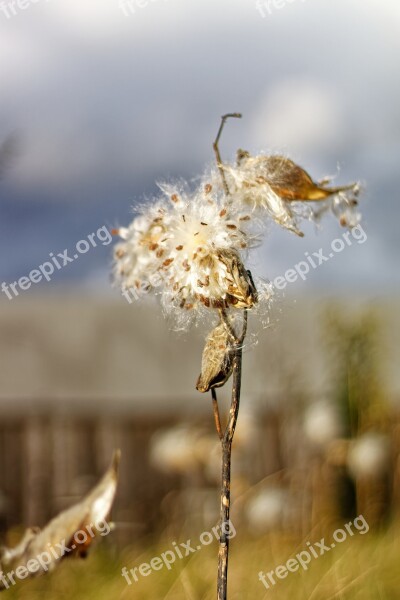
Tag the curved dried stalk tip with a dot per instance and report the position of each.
(216, 148)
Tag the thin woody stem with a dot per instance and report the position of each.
(227, 436)
(217, 417)
(235, 400)
(244, 326)
(216, 148)
(237, 341)
(226, 443)
(225, 321)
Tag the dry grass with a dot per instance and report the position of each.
(364, 567)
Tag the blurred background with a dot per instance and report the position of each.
(99, 101)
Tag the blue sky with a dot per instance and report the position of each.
(106, 102)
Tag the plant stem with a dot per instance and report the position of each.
(226, 443)
(217, 418)
(227, 437)
(216, 148)
(223, 552)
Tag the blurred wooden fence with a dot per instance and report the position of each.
(47, 462)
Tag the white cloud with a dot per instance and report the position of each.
(298, 115)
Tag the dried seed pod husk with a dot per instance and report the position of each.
(86, 517)
(217, 360)
(242, 292)
(288, 180)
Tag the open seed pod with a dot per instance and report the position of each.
(217, 360)
(69, 534)
(286, 179)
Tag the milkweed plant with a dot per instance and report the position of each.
(191, 245)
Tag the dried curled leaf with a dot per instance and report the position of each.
(217, 360)
(286, 179)
(40, 550)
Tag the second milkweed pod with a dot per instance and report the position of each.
(252, 189)
(217, 360)
(70, 533)
(288, 180)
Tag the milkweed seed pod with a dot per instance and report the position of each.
(217, 360)
(191, 243)
(280, 186)
(287, 180)
(59, 538)
(240, 286)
